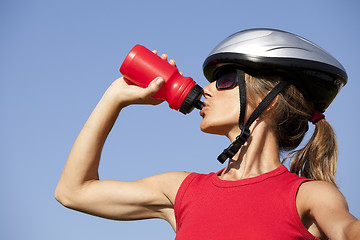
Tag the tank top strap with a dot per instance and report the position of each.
(294, 212)
(180, 195)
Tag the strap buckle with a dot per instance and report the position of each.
(234, 147)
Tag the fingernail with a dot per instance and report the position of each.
(159, 81)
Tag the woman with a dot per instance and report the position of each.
(255, 196)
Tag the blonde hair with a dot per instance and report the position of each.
(318, 158)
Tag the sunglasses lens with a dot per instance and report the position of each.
(226, 81)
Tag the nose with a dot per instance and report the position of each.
(208, 90)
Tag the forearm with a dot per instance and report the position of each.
(83, 161)
(353, 231)
(81, 168)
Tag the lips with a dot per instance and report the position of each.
(202, 112)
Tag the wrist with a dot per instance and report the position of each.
(114, 97)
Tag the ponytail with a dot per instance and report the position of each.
(318, 159)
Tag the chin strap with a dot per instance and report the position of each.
(234, 147)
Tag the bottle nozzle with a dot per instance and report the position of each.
(199, 105)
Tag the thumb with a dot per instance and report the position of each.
(155, 85)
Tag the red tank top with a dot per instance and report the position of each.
(261, 207)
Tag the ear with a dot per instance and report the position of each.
(271, 108)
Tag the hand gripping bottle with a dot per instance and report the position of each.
(141, 66)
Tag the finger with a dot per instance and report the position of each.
(154, 51)
(181, 73)
(164, 57)
(172, 62)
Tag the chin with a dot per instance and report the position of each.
(213, 128)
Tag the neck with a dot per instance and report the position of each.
(258, 155)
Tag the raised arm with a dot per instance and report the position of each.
(79, 187)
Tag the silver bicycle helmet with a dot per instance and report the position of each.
(273, 52)
(269, 51)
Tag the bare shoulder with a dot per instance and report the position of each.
(167, 178)
(168, 182)
(315, 196)
(319, 188)
(321, 192)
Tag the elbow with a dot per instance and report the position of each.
(64, 198)
(60, 197)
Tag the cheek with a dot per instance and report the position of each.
(228, 113)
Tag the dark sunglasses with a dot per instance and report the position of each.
(227, 80)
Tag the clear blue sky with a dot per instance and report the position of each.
(58, 57)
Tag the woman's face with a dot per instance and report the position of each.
(221, 111)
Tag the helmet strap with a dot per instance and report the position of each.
(234, 147)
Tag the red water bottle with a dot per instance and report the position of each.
(141, 66)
